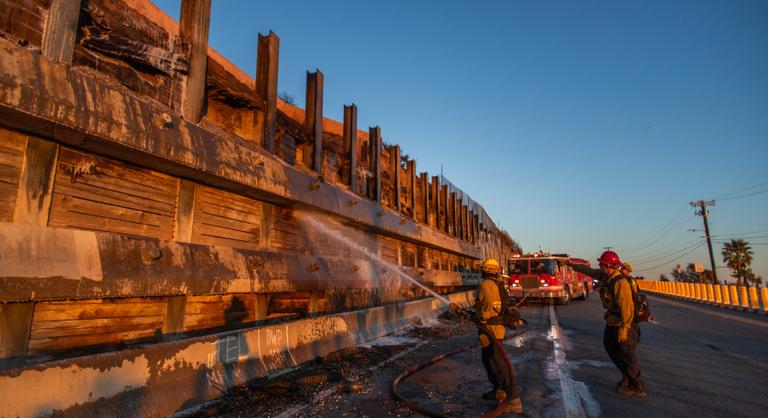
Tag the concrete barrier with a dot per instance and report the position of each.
(753, 301)
(743, 297)
(764, 294)
(726, 295)
(160, 379)
(734, 296)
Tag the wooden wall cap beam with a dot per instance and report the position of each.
(54, 102)
(51, 263)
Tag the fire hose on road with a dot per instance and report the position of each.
(483, 329)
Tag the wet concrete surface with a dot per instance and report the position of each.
(357, 382)
(696, 363)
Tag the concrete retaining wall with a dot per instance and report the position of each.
(163, 378)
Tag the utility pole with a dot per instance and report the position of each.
(702, 204)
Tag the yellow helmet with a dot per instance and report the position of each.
(491, 266)
(628, 266)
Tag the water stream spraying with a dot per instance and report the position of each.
(341, 238)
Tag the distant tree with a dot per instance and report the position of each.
(691, 274)
(284, 96)
(751, 277)
(680, 275)
(737, 255)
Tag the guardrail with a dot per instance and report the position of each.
(728, 296)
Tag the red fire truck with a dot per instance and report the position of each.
(545, 276)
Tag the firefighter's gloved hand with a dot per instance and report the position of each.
(623, 335)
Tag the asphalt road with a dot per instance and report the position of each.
(697, 360)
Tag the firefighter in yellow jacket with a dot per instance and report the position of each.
(488, 305)
(621, 331)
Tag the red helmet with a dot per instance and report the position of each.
(610, 258)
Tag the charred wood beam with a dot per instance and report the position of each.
(61, 30)
(394, 159)
(313, 119)
(424, 180)
(412, 178)
(444, 199)
(350, 143)
(435, 202)
(266, 88)
(472, 231)
(464, 222)
(193, 30)
(374, 139)
(452, 214)
(33, 201)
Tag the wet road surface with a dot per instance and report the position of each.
(698, 361)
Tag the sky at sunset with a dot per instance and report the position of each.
(577, 125)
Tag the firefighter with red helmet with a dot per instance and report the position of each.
(621, 331)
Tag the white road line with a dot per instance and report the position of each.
(571, 399)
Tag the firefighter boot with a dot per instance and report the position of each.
(623, 383)
(629, 390)
(514, 406)
(494, 395)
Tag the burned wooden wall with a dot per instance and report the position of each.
(128, 222)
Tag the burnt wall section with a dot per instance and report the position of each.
(160, 379)
(128, 224)
(132, 46)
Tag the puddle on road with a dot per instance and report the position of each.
(391, 340)
(575, 364)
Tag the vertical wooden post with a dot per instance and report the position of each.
(193, 30)
(33, 198)
(15, 324)
(452, 214)
(350, 144)
(185, 204)
(173, 323)
(374, 140)
(459, 231)
(435, 202)
(412, 197)
(267, 59)
(425, 197)
(61, 30)
(394, 155)
(313, 118)
(472, 226)
(444, 200)
(464, 222)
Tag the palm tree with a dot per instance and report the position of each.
(737, 255)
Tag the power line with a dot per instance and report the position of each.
(673, 260)
(744, 195)
(721, 197)
(663, 232)
(663, 249)
(679, 250)
(728, 237)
